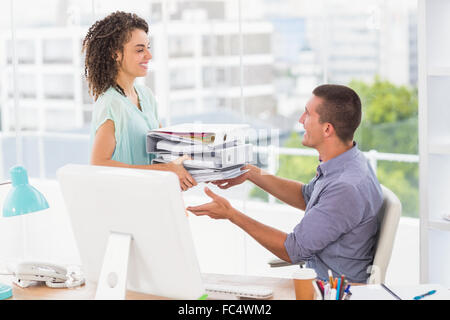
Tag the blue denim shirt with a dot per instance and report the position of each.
(339, 229)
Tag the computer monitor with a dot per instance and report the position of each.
(108, 206)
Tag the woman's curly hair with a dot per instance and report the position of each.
(104, 39)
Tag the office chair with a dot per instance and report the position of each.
(390, 213)
(389, 216)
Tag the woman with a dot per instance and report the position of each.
(117, 51)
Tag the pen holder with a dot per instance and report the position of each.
(332, 290)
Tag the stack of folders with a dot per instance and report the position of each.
(217, 151)
(333, 289)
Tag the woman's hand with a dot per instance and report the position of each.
(186, 180)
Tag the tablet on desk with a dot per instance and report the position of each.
(403, 292)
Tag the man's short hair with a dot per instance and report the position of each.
(341, 107)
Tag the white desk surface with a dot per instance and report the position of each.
(283, 289)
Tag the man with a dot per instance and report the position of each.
(341, 203)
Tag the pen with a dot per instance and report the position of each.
(330, 275)
(317, 290)
(347, 293)
(329, 293)
(347, 289)
(343, 285)
(390, 291)
(429, 293)
(338, 289)
(322, 289)
(333, 294)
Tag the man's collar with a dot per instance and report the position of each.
(337, 163)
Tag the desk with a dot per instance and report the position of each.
(283, 289)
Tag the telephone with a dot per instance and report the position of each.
(54, 276)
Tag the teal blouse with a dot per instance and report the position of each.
(131, 124)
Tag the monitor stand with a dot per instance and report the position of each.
(112, 283)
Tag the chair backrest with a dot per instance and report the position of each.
(389, 216)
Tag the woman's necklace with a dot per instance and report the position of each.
(138, 104)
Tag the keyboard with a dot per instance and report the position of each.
(238, 291)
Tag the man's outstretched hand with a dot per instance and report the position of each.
(218, 208)
(228, 183)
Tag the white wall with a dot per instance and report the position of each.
(405, 261)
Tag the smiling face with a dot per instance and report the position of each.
(314, 130)
(136, 55)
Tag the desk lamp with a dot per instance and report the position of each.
(21, 199)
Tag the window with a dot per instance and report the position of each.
(213, 61)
